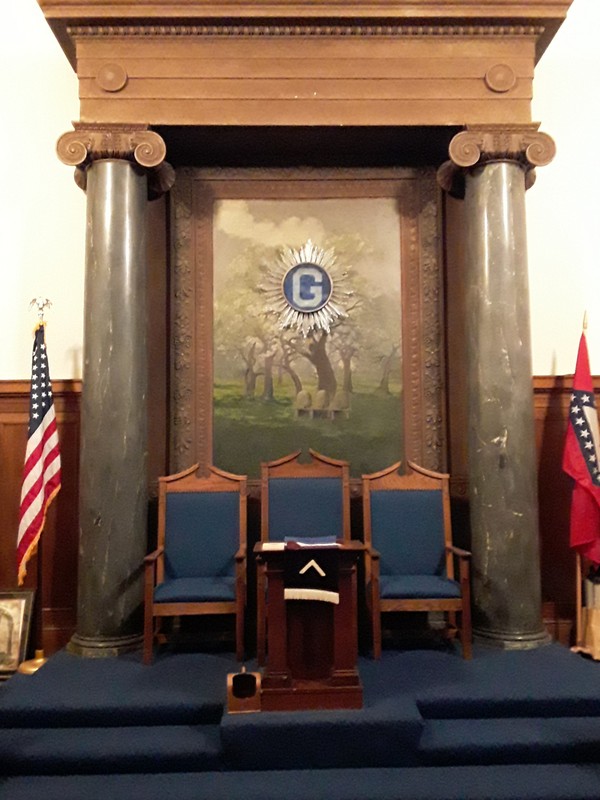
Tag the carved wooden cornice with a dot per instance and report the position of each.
(278, 30)
(134, 143)
(479, 145)
(70, 18)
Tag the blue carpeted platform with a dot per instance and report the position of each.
(517, 724)
(531, 782)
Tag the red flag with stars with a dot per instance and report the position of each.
(581, 460)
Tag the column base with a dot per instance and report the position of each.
(90, 647)
(512, 641)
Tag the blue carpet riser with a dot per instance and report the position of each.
(88, 751)
(385, 734)
(511, 741)
(513, 782)
(510, 707)
(63, 751)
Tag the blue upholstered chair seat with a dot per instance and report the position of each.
(195, 590)
(417, 586)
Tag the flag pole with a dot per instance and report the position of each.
(578, 602)
(41, 469)
(578, 571)
(31, 666)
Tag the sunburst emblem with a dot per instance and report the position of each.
(305, 288)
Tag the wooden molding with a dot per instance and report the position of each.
(538, 19)
(497, 79)
(19, 389)
(123, 53)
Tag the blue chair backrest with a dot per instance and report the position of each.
(202, 534)
(407, 528)
(305, 508)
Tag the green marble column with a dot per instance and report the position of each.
(506, 586)
(113, 474)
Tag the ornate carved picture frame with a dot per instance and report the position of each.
(15, 622)
(195, 200)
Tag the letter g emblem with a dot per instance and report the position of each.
(307, 287)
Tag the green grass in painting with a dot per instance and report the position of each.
(248, 431)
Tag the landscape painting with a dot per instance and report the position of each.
(289, 378)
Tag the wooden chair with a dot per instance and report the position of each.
(199, 565)
(410, 555)
(301, 500)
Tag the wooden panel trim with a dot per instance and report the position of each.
(562, 384)
(303, 88)
(308, 112)
(20, 388)
(150, 39)
(209, 65)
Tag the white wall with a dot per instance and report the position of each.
(42, 213)
(563, 208)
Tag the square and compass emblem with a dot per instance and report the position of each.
(311, 570)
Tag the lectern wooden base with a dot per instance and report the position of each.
(312, 645)
(311, 695)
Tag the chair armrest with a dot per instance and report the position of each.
(241, 554)
(371, 564)
(457, 551)
(372, 553)
(154, 556)
(150, 571)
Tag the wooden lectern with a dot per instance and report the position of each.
(312, 644)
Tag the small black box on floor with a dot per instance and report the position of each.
(243, 692)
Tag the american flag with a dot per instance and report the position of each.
(41, 473)
(581, 460)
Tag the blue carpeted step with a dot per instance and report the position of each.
(382, 735)
(542, 740)
(513, 782)
(64, 751)
(68, 690)
(544, 682)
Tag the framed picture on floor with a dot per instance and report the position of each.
(15, 622)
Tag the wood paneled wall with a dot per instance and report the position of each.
(53, 573)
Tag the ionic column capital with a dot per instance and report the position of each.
(478, 145)
(137, 144)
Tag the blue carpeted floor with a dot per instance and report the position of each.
(517, 724)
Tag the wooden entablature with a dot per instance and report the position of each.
(316, 62)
